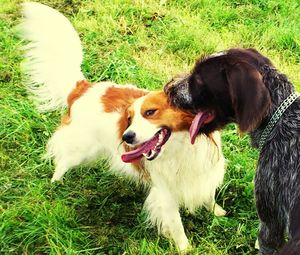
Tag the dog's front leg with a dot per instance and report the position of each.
(272, 223)
(164, 212)
(270, 239)
(212, 206)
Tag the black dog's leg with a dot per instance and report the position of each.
(271, 237)
(294, 224)
(272, 219)
(293, 246)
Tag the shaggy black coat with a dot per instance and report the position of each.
(242, 86)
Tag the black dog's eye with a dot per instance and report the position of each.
(149, 113)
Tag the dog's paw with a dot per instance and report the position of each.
(55, 178)
(219, 211)
(256, 246)
(184, 247)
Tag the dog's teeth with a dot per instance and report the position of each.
(160, 138)
(151, 154)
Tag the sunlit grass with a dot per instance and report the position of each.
(145, 43)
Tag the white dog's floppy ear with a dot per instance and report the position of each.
(250, 97)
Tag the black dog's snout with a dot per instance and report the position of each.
(129, 137)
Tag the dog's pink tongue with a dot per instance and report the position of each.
(130, 156)
(196, 124)
(136, 154)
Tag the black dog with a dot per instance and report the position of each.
(242, 86)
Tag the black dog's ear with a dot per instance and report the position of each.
(250, 98)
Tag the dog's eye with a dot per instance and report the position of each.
(149, 113)
(129, 120)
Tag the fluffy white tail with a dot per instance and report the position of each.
(53, 56)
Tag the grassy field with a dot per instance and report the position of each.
(145, 43)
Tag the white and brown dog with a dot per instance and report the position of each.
(156, 149)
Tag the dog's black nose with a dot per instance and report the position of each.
(129, 137)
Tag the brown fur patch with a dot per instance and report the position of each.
(118, 100)
(78, 91)
(165, 114)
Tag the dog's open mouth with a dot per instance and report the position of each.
(199, 120)
(149, 149)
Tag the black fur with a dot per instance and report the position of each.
(227, 85)
(277, 180)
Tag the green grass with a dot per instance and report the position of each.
(145, 43)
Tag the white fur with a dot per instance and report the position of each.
(187, 176)
(183, 175)
(91, 133)
(54, 55)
